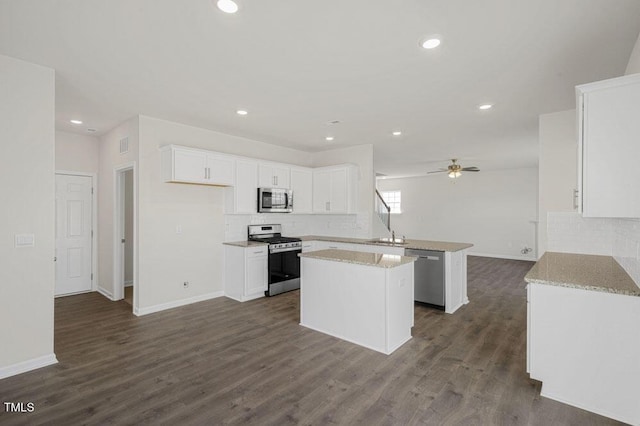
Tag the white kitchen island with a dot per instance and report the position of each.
(364, 298)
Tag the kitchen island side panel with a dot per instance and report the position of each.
(344, 300)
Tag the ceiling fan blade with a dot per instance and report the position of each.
(470, 169)
(437, 171)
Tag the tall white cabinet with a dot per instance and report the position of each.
(609, 147)
(243, 198)
(334, 189)
(302, 187)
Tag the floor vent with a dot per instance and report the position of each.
(124, 145)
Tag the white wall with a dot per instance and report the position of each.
(557, 168)
(634, 60)
(492, 209)
(77, 153)
(27, 174)
(110, 158)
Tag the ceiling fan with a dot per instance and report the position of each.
(454, 170)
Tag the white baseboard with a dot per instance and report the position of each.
(106, 293)
(24, 366)
(586, 408)
(169, 305)
(503, 256)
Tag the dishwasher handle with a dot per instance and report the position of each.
(422, 254)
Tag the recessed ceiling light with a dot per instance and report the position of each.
(431, 42)
(485, 106)
(241, 112)
(75, 121)
(227, 6)
(397, 133)
(329, 138)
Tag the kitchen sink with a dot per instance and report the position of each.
(388, 241)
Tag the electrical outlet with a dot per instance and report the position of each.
(185, 284)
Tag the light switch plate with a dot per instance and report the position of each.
(25, 240)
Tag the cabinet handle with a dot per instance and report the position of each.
(205, 173)
(276, 180)
(575, 199)
(258, 252)
(327, 205)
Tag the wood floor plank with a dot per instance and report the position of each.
(225, 362)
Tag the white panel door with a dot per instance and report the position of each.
(73, 234)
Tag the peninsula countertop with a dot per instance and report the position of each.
(359, 258)
(582, 271)
(408, 243)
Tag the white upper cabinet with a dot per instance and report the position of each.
(334, 189)
(327, 190)
(274, 176)
(188, 165)
(243, 197)
(609, 147)
(302, 187)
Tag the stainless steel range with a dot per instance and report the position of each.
(284, 263)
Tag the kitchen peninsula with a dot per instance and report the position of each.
(582, 327)
(364, 298)
(454, 255)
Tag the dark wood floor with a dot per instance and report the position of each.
(222, 361)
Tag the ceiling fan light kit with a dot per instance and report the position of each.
(454, 170)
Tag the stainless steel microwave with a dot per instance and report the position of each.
(275, 200)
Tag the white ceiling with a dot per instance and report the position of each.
(295, 65)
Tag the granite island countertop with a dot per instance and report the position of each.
(582, 271)
(360, 258)
(409, 243)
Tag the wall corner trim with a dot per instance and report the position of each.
(106, 293)
(182, 302)
(28, 365)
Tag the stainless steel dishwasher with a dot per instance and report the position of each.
(428, 276)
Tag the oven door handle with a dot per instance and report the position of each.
(283, 250)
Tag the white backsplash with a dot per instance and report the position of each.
(620, 238)
(353, 225)
(626, 246)
(571, 233)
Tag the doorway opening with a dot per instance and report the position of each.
(125, 241)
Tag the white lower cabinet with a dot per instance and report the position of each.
(583, 346)
(246, 272)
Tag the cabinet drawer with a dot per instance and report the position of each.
(257, 251)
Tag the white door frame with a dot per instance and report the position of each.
(94, 222)
(118, 227)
